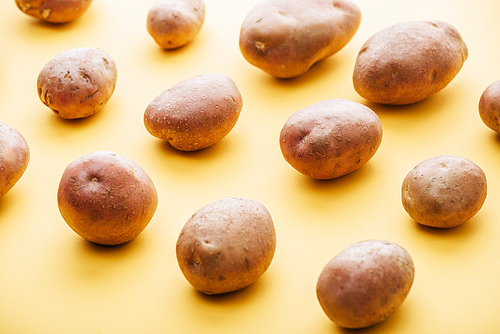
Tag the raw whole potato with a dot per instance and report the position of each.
(54, 11)
(195, 113)
(14, 157)
(489, 106)
(78, 82)
(330, 138)
(286, 37)
(174, 23)
(444, 191)
(106, 198)
(365, 283)
(408, 62)
(226, 245)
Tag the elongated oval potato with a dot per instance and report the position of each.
(195, 113)
(286, 37)
(226, 245)
(174, 23)
(444, 191)
(54, 11)
(365, 283)
(408, 62)
(330, 138)
(78, 82)
(14, 157)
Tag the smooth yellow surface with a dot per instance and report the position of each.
(53, 281)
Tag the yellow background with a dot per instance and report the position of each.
(53, 281)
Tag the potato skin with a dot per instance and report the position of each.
(489, 106)
(106, 198)
(408, 62)
(444, 191)
(286, 37)
(14, 157)
(174, 23)
(330, 138)
(78, 82)
(54, 11)
(226, 245)
(365, 283)
(195, 113)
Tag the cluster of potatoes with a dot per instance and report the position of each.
(228, 244)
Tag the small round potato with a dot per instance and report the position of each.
(444, 191)
(330, 138)
(195, 113)
(286, 37)
(174, 23)
(365, 283)
(408, 62)
(54, 11)
(226, 245)
(489, 106)
(14, 157)
(106, 198)
(78, 82)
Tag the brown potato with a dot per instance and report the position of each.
(78, 82)
(489, 106)
(195, 113)
(444, 191)
(408, 62)
(226, 245)
(54, 11)
(330, 138)
(286, 37)
(174, 23)
(14, 157)
(365, 283)
(106, 198)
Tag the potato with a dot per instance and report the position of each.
(489, 106)
(195, 113)
(14, 157)
(444, 191)
(54, 11)
(365, 283)
(106, 198)
(78, 82)
(409, 61)
(174, 23)
(226, 245)
(330, 138)
(286, 37)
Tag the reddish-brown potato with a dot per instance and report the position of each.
(408, 62)
(174, 23)
(489, 106)
(14, 157)
(106, 198)
(365, 283)
(444, 191)
(286, 37)
(54, 11)
(226, 245)
(78, 82)
(330, 138)
(195, 113)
